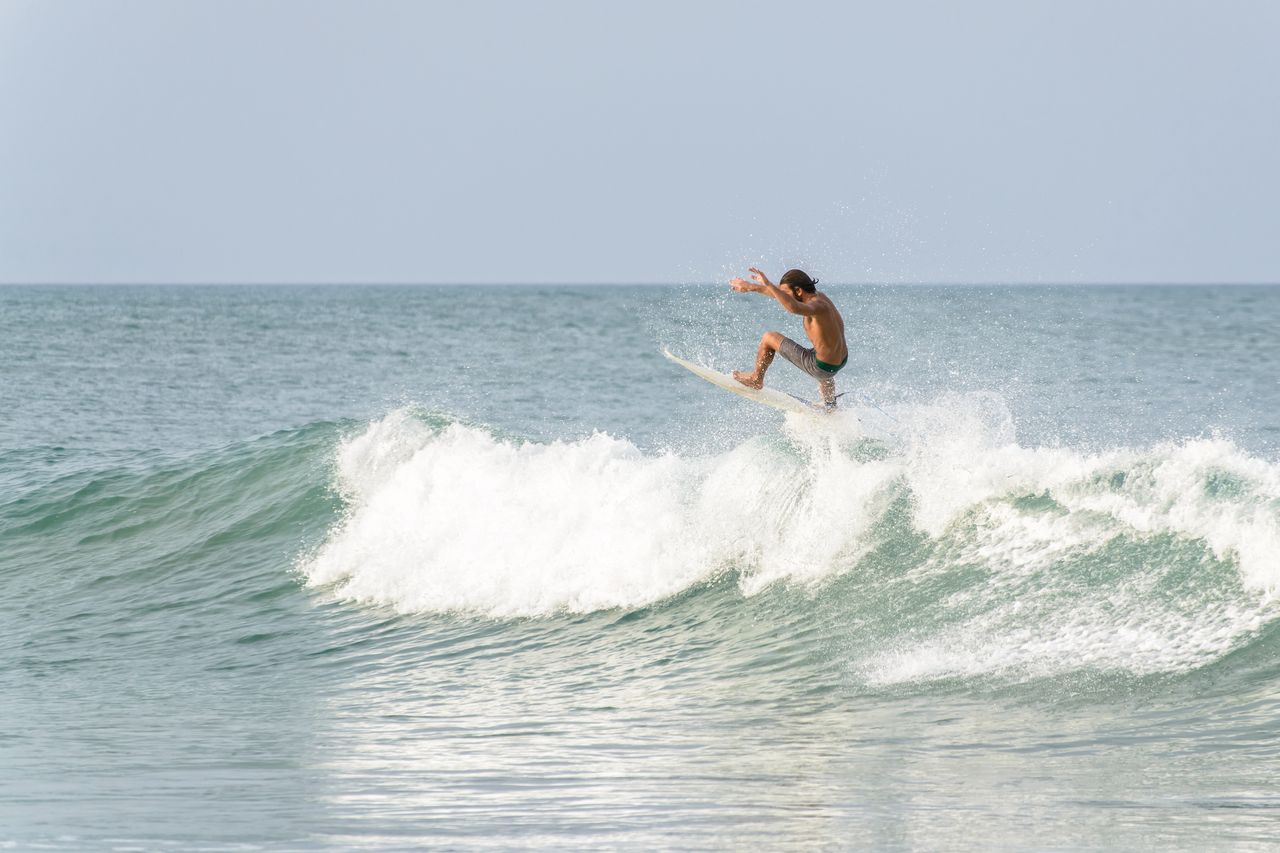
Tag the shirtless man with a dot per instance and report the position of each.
(822, 323)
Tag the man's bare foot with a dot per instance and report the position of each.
(748, 379)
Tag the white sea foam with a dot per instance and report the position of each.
(1118, 631)
(1031, 617)
(457, 520)
(454, 519)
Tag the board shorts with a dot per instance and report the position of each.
(807, 360)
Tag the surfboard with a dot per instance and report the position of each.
(769, 396)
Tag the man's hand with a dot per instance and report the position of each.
(742, 286)
(760, 278)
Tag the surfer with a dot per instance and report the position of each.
(823, 324)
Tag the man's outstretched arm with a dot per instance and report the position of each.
(763, 285)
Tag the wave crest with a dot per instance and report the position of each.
(454, 519)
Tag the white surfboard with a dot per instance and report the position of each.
(769, 396)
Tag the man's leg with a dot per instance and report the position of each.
(828, 389)
(769, 344)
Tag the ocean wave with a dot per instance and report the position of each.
(948, 552)
(131, 518)
(993, 557)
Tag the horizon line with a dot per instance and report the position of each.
(705, 283)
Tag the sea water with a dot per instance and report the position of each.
(476, 567)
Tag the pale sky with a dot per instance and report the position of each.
(638, 142)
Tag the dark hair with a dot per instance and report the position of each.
(800, 279)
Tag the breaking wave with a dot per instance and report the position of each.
(955, 551)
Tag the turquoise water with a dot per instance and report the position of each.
(385, 567)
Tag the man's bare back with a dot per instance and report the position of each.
(823, 324)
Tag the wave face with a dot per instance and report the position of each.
(962, 553)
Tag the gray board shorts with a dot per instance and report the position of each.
(805, 359)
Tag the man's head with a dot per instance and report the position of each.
(798, 282)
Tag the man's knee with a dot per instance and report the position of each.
(772, 340)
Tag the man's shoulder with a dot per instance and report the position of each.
(829, 310)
